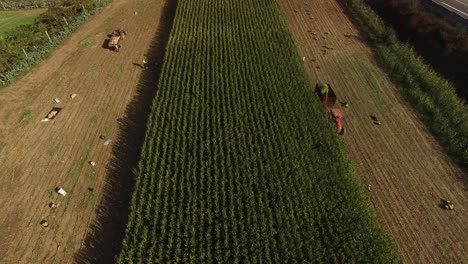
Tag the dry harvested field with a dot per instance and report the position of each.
(36, 157)
(405, 166)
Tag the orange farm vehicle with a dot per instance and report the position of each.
(328, 99)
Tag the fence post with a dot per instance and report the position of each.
(25, 54)
(47, 34)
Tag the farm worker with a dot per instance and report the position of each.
(303, 58)
(144, 63)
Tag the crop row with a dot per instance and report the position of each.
(240, 162)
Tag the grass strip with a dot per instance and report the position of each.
(434, 98)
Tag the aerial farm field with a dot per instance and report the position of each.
(239, 161)
(406, 168)
(36, 157)
(11, 19)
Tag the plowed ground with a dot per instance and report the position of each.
(36, 157)
(405, 166)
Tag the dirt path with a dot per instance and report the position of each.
(407, 169)
(37, 157)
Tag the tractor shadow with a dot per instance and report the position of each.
(103, 241)
(105, 44)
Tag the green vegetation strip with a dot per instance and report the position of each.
(241, 164)
(28, 4)
(33, 40)
(11, 20)
(433, 97)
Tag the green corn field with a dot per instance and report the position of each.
(241, 163)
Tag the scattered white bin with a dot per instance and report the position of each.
(61, 191)
(44, 223)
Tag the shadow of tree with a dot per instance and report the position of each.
(104, 237)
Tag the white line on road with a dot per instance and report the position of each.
(449, 6)
(461, 2)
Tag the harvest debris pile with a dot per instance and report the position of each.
(240, 162)
(50, 116)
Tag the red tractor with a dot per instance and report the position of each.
(337, 116)
(328, 98)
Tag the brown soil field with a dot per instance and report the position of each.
(36, 157)
(407, 169)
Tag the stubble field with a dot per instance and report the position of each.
(36, 157)
(407, 169)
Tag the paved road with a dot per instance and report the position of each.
(459, 7)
